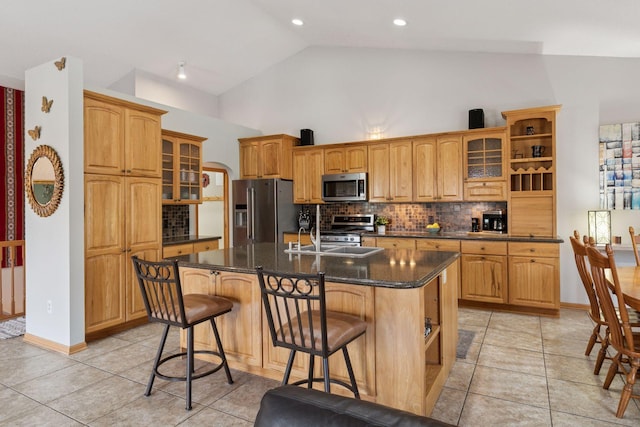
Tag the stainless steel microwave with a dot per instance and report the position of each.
(344, 187)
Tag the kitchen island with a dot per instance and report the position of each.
(398, 362)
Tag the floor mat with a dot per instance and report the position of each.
(12, 328)
(465, 338)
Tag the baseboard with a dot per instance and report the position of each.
(52, 345)
(575, 306)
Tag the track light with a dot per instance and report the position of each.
(181, 74)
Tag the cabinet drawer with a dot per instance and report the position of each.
(368, 241)
(305, 239)
(395, 243)
(209, 245)
(438, 245)
(177, 250)
(479, 248)
(485, 190)
(534, 249)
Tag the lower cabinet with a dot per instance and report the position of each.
(188, 248)
(395, 242)
(534, 274)
(484, 271)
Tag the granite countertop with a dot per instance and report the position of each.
(179, 240)
(391, 268)
(466, 235)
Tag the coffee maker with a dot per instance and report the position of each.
(494, 221)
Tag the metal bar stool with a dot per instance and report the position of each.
(162, 294)
(298, 319)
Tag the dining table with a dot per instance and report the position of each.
(629, 279)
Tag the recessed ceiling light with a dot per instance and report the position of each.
(181, 74)
(297, 22)
(399, 22)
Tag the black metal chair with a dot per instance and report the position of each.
(162, 294)
(298, 319)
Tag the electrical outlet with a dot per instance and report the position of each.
(49, 307)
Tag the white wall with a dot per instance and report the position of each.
(55, 244)
(341, 93)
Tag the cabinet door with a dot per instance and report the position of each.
(484, 278)
(270, 164)
(105, 252)
(533, 282)
(142, 138)
(103, 137)
(188, 172)
(238, 328)
(300, 177)
(198, 281)
(424, 169)
(355, 158)
(143, 234)
(358, 301)
(400, 171)
(249, 159)
(449, 167)
(334, 161)
(308, 166)
(531, 216)
(379, 170)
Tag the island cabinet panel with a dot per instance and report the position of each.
(237, 328)
(413, 382)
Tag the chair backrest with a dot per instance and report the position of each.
(161, 290)
(620, 330)
(580, 255)
(296, 310)
(634, 242)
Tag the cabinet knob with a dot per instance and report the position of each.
(533, 260)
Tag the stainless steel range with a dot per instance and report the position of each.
(346, 230)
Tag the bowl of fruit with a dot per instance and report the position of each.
(433, 228)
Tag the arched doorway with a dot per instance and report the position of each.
(212, 213)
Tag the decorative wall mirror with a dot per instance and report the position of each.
(44, 180)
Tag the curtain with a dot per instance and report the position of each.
(12, 166)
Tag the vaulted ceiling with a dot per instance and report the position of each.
(225, 42)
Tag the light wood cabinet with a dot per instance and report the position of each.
(443, 245)
(347, 158)
(390, 172)
(122, 212)
(122, 219)
(484, 271)
(395, 242)
(237, 328)
(532, 147)
(267, 156)
(437, 166)
(120, 138)
(181, 168)
(305, 238)
(171, 251)
(308, 166)
(484, 166)
(534, 274)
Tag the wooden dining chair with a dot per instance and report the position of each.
(635, 240)
(595, 314)
(298, 319)
(621, 336)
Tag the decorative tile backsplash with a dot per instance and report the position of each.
(175, 220)
(416, 216)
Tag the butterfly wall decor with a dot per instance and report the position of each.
(46, 104)
(35, 133)
(60, 64)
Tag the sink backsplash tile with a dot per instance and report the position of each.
(415, 216)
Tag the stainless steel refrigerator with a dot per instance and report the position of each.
(263, 210)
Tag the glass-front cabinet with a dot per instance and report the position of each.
(181, 168)
(484, 167)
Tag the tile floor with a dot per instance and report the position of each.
(520, 370)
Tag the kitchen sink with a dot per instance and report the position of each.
(344, 251)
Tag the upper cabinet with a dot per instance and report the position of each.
(532, 196)
(267, 156)
(181, 168)
(484, 165)
(346, 158)
(308, 165)
(121, 138)
(390, 171)
(437, 165)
